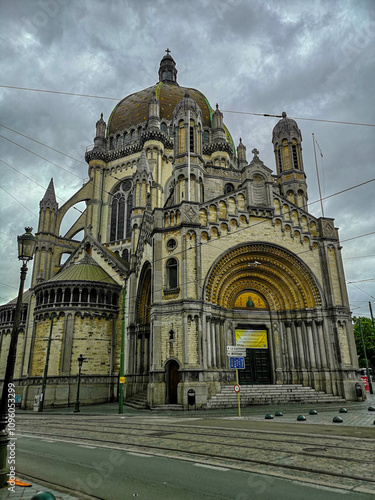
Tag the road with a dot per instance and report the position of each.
(114, 457)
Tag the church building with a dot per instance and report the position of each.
(190, 245)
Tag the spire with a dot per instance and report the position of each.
(218, 125)
(100, 127)
(49, 198)
(167, 69)
(100, 141)
(241, 154)
(143, 163)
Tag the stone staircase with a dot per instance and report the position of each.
(269, 394)
(138, 401)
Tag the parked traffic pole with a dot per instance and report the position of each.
(122, 363)
(238, 395)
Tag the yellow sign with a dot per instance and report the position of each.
(252, 339)
(122, 380)
(250, 300)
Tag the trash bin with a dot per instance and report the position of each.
(358, 391)
(191, 397)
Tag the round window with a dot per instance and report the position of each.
(171, 244)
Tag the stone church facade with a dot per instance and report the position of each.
(188, 247)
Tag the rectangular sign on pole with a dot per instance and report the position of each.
(237, 363)
(233, 351)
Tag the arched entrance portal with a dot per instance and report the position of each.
(172, 380)
(269, 298)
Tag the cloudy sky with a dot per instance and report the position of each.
(315, 60)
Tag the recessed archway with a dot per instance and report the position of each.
(268, 271)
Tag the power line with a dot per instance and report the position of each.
(360, 257)
(10, 286)
(225, 111)
(32, 180)
(340, 192)
(45, 159)
(360, 236)
(18, 201)
(299, 118)
(360, 289)
(58, 92)
(42, 144)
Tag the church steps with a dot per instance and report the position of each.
(268, 394)
(138, 401)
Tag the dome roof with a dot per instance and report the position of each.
(132, 111)
(86, 269)
(286, 127)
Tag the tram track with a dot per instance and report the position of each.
(323, 459)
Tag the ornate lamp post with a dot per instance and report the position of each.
(80, 360)
(26, 248)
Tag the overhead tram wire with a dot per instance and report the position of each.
(224, 111)
(18, 201)
(45, 159)
(32, 180)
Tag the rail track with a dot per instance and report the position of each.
(342, 462)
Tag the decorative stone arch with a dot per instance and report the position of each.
(281, 277)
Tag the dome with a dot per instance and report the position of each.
(132, 111)
(286, 127)
(86, 269)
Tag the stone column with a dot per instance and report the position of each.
(299, 334)
(208, 342)
(290, 354)
(213, 339)
(322, 347)
(218, 343)
(310, 342)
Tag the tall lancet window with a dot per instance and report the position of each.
(122, 204)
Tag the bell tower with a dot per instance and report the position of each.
(287, 140)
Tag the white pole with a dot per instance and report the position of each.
(317, 174)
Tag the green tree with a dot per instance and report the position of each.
(369, 340)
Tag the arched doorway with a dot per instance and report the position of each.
(172, 379)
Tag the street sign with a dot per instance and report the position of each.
(237, 363)
(237, 388)
(234, 351)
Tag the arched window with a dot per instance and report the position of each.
(171, 130)
(122, 204)
(132, 135)
(172, 276)
(118, 141)
(111, 143)
(163, 127)
(126, 138)
(206, 137)
(191, 138)
(228, 188)
(125, 254)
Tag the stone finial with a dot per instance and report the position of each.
(100, 127)
(283, 114)
(255, 153)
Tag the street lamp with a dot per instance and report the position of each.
(80, 360)
(26, 248)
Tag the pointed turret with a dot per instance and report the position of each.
(49, 198)
(241, 154)
(100, 141)
(154, 112)
(218, 125)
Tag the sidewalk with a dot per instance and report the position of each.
(26, 493)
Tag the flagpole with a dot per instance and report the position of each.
(317, 174)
